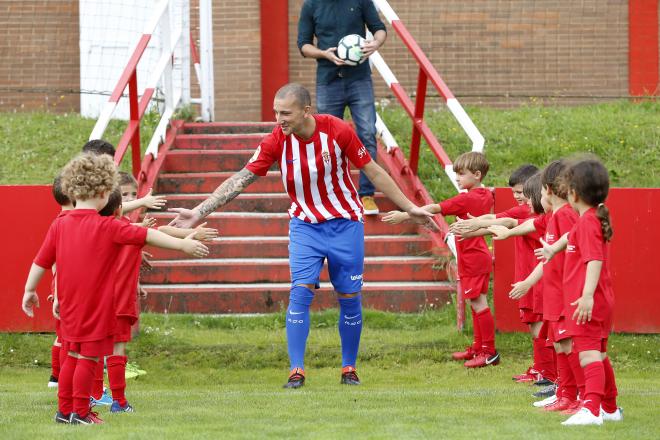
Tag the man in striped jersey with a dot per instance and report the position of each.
(313, 153)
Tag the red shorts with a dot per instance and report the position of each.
(528, 316)
(475, 286)
(587, 343)
(557, 330)
(57, 329)
(123, 329)
(537, 291)
(99, 348)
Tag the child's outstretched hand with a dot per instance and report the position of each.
(205, 234)
(582, 313)
(148, 222)
(145, 264)
(193, 247)
(499, 232)
(544, 253)
(30, 300)
(395, 217)
(153, 202)
(519, 290)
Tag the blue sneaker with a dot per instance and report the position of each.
(105, 399)
(117, 408)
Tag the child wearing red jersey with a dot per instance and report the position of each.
(589, 297)
(85, 245)
(525, 183)
(127, 288)
(56, 352)
(562, 220)
(474, 259)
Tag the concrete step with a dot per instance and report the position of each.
(274, 297)
(277, 247)
(228, 127)
(232, 141)
(181, 183)
(240, 224)
(181, 161)
(257, 202)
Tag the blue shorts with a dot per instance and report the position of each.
(341, 241)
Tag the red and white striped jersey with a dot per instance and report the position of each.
(316, 171)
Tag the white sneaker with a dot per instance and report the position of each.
(545, 402)
(583, 417)
(615, 416)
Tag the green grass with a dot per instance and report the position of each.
(35, 146)
(221, 377)
(626, 136)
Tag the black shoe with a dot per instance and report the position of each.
(349, 376)
(548, 391)
(543, 382)
(296, 379)
(61, 418)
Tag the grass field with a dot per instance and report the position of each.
(221, 377)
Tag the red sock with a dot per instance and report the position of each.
(476, 330)
(578, 372)
(83, 379)
(117, 378)
(487, 327)
(594, 380)
(544, 360)
(64, 353)
(97, 386)
(65, 385)
(609, 398)
(55, 361)
(567, 384)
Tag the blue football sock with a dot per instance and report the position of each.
(350, 328)
(297, 324)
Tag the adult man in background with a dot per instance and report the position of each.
(337, 84)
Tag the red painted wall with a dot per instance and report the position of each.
(274, 52)
(634, 262)
(27, 213)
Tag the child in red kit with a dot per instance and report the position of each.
(589, 297)
(525, 183)
(562, 220)
(57, 355)
(474, 259)
(85, 246)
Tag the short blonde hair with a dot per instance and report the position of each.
(473, 162)
(87, 176)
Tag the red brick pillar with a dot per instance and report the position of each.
(274, 52)
(643, 47)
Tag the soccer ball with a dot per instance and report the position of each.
(349, 49)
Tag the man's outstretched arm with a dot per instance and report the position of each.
(223, 194)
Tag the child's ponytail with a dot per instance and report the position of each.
(603, 214)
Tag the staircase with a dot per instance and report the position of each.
(247, 269)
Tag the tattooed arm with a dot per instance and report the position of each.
(226, 192)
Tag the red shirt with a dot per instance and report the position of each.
(85, 246)
(525, 260)
(473, 255)
(560, 223)
(585, 244)
(522, 257)
(126, 284)
(316, 171)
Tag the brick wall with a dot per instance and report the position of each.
(39, 55)
(498, 52)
